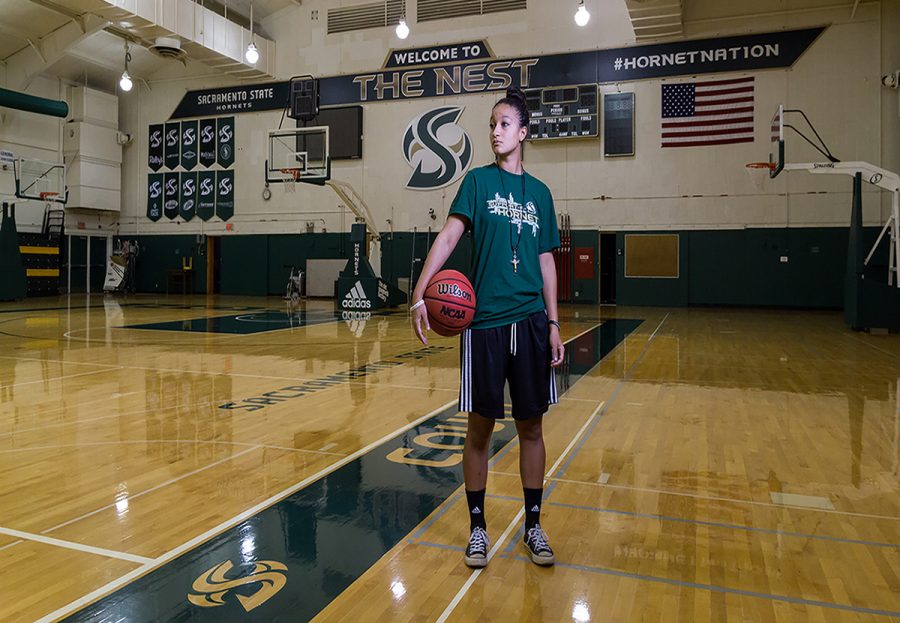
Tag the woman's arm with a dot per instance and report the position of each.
(441, 249)
(548, 272)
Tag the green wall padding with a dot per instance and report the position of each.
(13, 284)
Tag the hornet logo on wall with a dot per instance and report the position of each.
(437, 148)
(212, 585)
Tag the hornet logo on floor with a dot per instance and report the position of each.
(437, 148)
(212, 586)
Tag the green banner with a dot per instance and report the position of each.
(207, 140)
(224, 194)
(206, 194)
(155, 146)
(154, 196)
(189, 144)
(170, 195)
(172, 144)
(188, 196)
(225, 145)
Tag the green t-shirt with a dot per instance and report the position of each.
(503, 226)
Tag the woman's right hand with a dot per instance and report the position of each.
(419, 319)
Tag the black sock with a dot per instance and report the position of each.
(476, 509)
(532, 507)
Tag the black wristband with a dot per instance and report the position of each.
(555, 324)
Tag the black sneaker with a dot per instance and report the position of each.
(477, 551)
(536, 544)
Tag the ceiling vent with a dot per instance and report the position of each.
(430, 10)
(362, 16)
(168, 47)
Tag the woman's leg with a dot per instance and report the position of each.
(532, 455)
(475, 460)
(475, 451)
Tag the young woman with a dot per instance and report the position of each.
(514, 335)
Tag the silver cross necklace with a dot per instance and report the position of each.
(509, 198)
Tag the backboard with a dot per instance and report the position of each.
(39, 180)
(776, 152)
(298, 155)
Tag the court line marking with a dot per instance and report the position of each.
(710, 497)
(62, 378)
(151, 489)
(184, 441)
(879, 349)
(512, 524)
(113, 367)
(88, 549)
(229, 523)
(720, 589)
(715, 524)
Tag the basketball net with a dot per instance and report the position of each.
(759, 173)
(290, 180)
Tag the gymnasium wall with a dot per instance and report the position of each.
(837, 82)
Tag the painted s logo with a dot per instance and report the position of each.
(437, 148)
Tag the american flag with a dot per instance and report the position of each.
(707, 113)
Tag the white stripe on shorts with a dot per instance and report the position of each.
(554, 398)
(465, 372)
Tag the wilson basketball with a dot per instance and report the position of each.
(450, 302)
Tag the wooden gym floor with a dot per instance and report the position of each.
(222, 459)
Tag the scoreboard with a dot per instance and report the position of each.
(563, 112)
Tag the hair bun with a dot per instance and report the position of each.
(516, 93)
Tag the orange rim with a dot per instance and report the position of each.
(761, 165)
(48, 195)
(294, 173)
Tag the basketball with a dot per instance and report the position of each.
(450, 302)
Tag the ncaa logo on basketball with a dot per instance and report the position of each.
(437, 148)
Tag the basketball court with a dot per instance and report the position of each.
(213, 406)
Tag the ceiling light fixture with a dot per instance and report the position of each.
(252, 53)
(125, 82)
(402, 29)
(582, 17)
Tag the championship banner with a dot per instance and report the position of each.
(172, 142)
(155, 194)
(155, 147)
(207, 142)
(225, 142)
(224, 194)
(170, 195)
(206, 194)
(188, 144)
(188, 196)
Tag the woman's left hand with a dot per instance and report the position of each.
(557, 350)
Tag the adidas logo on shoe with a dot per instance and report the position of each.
(536, 509)
(476, 511)
(356, 298)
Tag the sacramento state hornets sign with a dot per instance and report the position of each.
(437, 148)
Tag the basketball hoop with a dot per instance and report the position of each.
(48, 196)
(759, 172)
(292, 175)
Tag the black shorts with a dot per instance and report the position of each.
(518, 353)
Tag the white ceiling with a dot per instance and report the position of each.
(98, 60)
